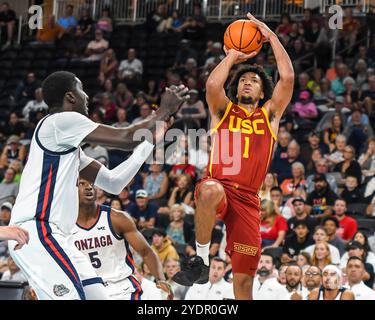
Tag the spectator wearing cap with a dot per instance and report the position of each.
(156, 185)
(14, 150)
(315, 143)
(163, 246)
(350, 166)
(348, 226)
(192, 111)
(320, 235)
(352, 193)
(5, 213)
(304, 107)
(362, 238)
(320, 201)
(356, 272)
(143, 213)
(299, 239)
(321, 167)
(355, 249)
(331, 224)
(301, 215)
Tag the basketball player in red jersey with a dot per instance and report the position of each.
(244, 127)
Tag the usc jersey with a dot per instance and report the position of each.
(242, 147)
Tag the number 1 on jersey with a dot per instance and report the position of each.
(247, 147)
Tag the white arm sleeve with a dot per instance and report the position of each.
(115, 180)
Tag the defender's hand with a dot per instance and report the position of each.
(173, 98)
(166, 287)
(15, 233)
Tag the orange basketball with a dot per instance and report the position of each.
(243, 35)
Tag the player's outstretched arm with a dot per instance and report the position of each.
(215, 93)
(123, 138)
(125, 226)
(14, 233)
(283, 91)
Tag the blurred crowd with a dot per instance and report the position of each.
(321, 179)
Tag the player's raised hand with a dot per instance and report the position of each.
(166, 287)
(15, 233)
(238, 55)
(264, 29)
(173, 98)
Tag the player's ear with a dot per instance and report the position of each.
(69, 96)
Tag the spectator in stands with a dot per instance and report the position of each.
(156, 185)
(321, 167)
(216, 55)
(116, 204)
(350, 166)
(280, 207)
(298, 54)
(14, 150)
(174, 22)
(8, 21)
(69, 21)
(293, 289)
(85, 23)
(17, 166)
(152, 92)
(109, 108)
(367, 159)
(331, 133)
(283, 140)
(331, 224)
(102, 197)
(5, 213)
(321, 256)
(150, 291)
(182, 193)
(216, 288)
(351, 93)
(108, 90)
(337, 155)
(192, 111)
(15, 126)
(362, 238)
(324, 98)
(98, 153)
(96, 48)
(314, 83)
(123, 97)
(273, 226)
(350, 29)
(337, 84)
(303, 259)
(298, 240)
(312, 278)
(297, 181)
(285, 26)
(124, 197)
(194, 25)
(144, 110)
(143, 212)
(283, 168)
(131, 69)
(355, 249)
(368, 96)
(184, 53)
(26, 90)
(314, 143)
(157, 20)
(356, 272)
(121, 119)
(351, 193)
(108, 66)
(348, 226)
(183, 167)
(266, 286)
(8, 187)
(50, 32)
(179, 230)
(269, 182)
(13, 273)
(320, 235)
(34, 106)
(105, 22)
(320, 201)
(171, 267)
(360, 69)
(301, 215)
(163, 247)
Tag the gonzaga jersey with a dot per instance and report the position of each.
(242, 147)
(108, 252)
(48, 189)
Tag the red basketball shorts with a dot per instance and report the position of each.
(239, 210)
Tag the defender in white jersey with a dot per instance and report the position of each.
(104, 235)
(47, 203)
